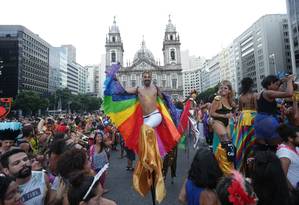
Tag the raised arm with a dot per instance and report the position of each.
(272, 94)
(130, 90)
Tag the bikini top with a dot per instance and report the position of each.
(224, 110)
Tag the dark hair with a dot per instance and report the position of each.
(268, 80)
(222, 189)
(58, 146)
(80, 184)
(285, 132)
(5, 157)
(246, 85)
(204, 171)
(27, 130)
(71, 160)
(102, 143)
(5, 181)
(268, 179)
(59, 135)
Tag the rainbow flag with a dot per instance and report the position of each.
(125, 112)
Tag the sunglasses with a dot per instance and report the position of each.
(95, 179)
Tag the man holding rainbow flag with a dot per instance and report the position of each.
(148, 126)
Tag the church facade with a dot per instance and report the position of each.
(167, 77)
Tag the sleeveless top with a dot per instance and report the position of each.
(264, 106)
(34, 191)
(193, 193)
(98, 160)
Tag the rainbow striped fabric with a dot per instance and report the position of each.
(125, 112)
(243, 137)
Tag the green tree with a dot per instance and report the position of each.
(208, 94)
(30, 102)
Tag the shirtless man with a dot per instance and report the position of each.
(148, 100)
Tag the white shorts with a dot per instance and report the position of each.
(153, 119)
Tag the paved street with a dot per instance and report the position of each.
(119, 181)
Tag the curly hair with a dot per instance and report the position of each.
(71, 160)
(246, 85)
(79, 184)
(204, 171)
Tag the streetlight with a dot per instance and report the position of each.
(1, 66)
(272, 56)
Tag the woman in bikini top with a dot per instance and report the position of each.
(223, 110)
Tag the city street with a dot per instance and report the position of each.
(119, 181)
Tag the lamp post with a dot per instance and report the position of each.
(272, 56)
(1, 66)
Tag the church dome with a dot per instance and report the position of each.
(114, 28)
(144, 53)
(170, 27)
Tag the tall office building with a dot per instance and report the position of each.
(82, 78)
(71, 52)
(210, 74)
(293, 21)
(24, 61)
(93, 80)
(227, 65)
(263, 49)
(58, 69)
(72, 77)
(191, 66)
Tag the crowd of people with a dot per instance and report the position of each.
(255, 146)
(249, 155)
(56, 160)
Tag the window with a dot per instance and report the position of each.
(174, 81)
(113, 57)
(172, 54)
(164, 80)
(133, 83)
(171, 37)
(113, 39)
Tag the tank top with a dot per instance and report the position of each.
(264, 106)
(193, 193)
(34, 191)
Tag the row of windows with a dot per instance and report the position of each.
(34, 87)
(31, 41)
(34, 78)
(35, 70)
(33, 60)
(36, 53)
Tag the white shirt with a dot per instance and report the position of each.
(293, 171)
(34, 191)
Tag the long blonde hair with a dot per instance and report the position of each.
(231, 95)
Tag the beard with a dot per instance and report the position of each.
(23, 173)
(147, 83)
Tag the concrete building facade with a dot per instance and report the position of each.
(168, 76)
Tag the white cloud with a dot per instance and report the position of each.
(205, 26)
